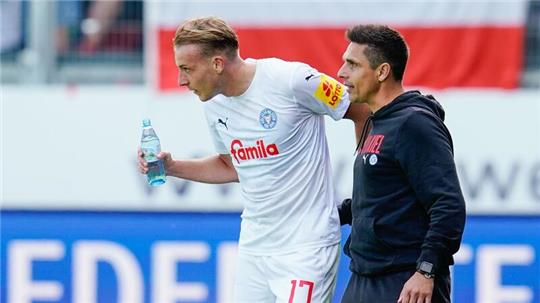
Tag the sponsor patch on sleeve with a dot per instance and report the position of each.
(329, 91)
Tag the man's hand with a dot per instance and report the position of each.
(418, 289)
(143, 165)
(167, 160)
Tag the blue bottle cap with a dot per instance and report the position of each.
(146, 122)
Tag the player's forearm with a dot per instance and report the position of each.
(207, 170)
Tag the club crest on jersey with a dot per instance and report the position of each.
(268, 118)
(329, 91)
(373, 159)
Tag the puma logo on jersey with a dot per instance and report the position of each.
(223, 122)
(364, 157)
(241, 153)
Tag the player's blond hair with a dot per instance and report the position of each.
(212, 34)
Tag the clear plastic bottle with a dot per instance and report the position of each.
(151, 147)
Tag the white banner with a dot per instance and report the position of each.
(342, 13)
(75, 148)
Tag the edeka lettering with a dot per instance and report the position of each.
(132, 281)
(241, 153)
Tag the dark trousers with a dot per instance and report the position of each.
(386, 288)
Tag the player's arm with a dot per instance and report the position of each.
(212, 169)
(318, 93)
(324, 95)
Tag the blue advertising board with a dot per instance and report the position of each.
(189, 257)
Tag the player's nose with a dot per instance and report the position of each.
(182, 80)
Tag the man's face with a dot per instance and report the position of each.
(195, 71)
(359, 78)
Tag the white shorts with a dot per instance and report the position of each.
(305, 276)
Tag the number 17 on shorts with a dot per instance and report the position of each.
(301, 289)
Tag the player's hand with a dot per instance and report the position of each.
(143, 166)
(418, 289)
(167, 160)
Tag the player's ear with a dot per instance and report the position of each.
(383, 71)
(218, 64)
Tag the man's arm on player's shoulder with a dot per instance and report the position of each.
(358, 113)
(213, 169)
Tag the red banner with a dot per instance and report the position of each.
(439, 57)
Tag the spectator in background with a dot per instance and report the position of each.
(407, 211)
(91, 26)
(101, 18)
(266, 119)
(11, 26)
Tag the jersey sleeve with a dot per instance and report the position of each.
(214, 135)
(319, 93)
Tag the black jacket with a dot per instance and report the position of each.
(407, 206)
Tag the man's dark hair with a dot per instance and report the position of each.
(383, 45)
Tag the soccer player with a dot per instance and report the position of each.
(407, 212)
(266, 119)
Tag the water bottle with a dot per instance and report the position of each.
(150, 147)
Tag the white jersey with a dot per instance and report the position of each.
(275, 135)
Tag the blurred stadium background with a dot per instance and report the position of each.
(79, 224)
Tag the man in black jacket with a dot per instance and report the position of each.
(407, 211)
